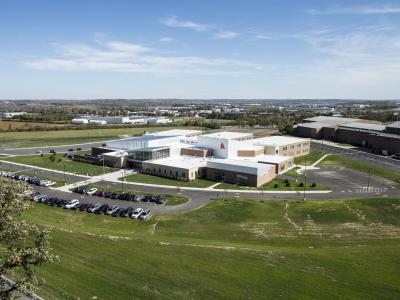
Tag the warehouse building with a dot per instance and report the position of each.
(378, 138)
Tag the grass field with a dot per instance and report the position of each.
(7, 125)
(310, 158)
(59, 163)
(281, 186)
(236, 249)
(173, 199)
(69, 137)
(144, 178)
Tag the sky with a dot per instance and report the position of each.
(254, 49)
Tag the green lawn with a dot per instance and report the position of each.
(60, 161)
(277, 184)
(173, 199)
(70, 137)
(310, 158)
(145, 178)
(235, 249)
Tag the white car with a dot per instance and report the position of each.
(136, 213)
(72, 203)
(91, 191)
(47, 183)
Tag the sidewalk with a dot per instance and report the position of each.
(311, 167)
(114, 176)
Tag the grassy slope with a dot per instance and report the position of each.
(144, 178)
(70, 165)
(229, 249)
(65, 137)
(269, 186)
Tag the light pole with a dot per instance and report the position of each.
(305, 179)
(369, 178)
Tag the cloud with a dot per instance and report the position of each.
(226, 35)
(174, 22)
(166, 39)
(361, 10)
(118, 56)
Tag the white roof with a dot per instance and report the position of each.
(176, 132)
(278, 140)
(331, 120)
(229, 135)
(364, 126)
(183, 162)
(242, 166)
(271, 159)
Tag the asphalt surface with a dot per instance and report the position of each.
(359, 155)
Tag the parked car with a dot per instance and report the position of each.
(72, 203)
(126, 212)
(112, 209)
(47, 183)
(396, 156)
(136, 213)
(91, 191)
(145, 214)
(94, 208)
(102, 210)
(116, 212)
(98, 193)
(85, 207)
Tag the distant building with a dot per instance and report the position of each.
(379, 138)
(9, 115)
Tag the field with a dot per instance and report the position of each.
(9, 125)
(144, 178)
(60, 163)
(69, 137)
(277, 184)
(233, 249)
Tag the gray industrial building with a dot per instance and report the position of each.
(378, 138)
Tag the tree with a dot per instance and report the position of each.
(23, 245)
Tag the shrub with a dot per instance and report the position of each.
(287, 183)
(301, 184)
(276, 185)
(313, 184)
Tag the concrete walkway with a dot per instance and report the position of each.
(39, 168)
(303, 168)
(114, 177)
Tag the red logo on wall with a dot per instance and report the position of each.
(222, 146)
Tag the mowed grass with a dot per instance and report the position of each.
(150, 179)
(60, 163)
(69, 137)
(277, 184)
(234, 249)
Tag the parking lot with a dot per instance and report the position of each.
(348, 181)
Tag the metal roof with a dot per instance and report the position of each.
(365, 126)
